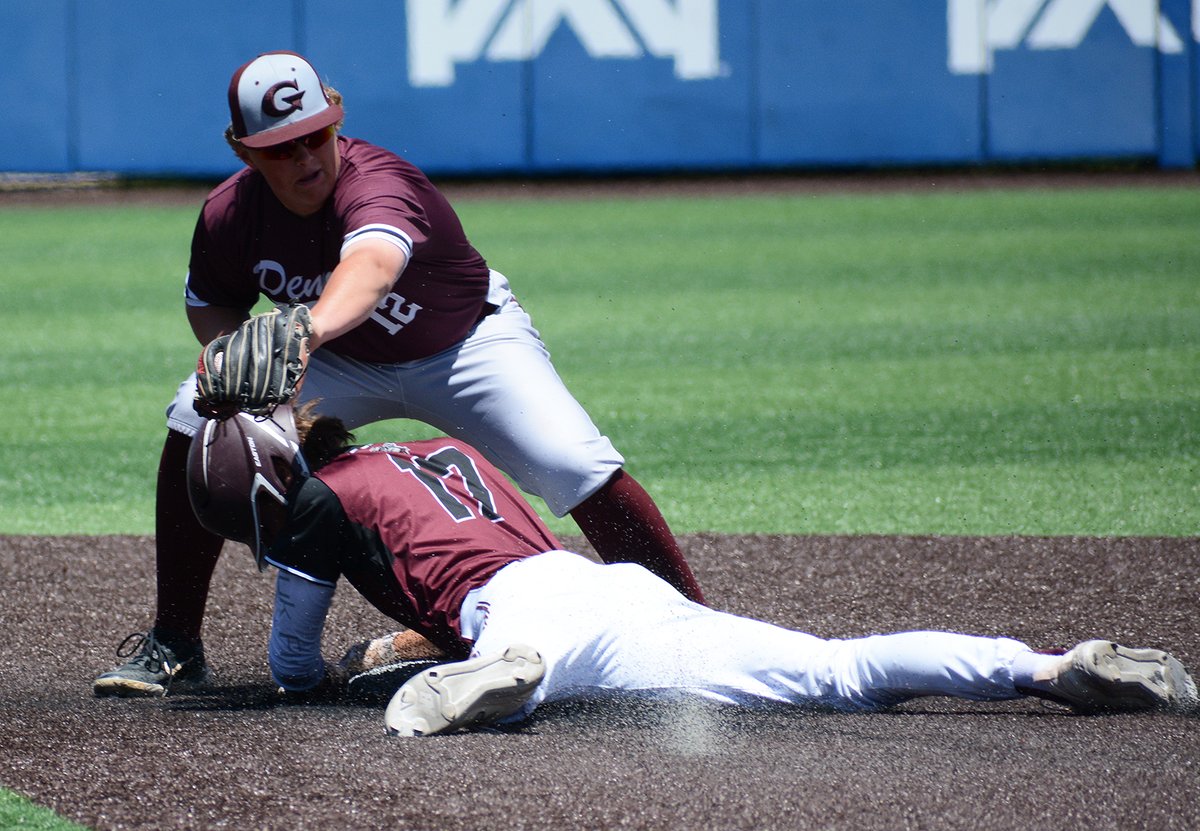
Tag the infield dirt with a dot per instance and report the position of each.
(234, 757)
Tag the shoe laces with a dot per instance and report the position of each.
(155, 656)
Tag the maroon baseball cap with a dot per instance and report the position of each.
(278, 97)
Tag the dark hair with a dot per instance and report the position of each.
(322, 438)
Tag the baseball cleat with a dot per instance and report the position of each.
(1104, 677)
(465, 694)
(153, 670)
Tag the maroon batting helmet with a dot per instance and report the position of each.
(237, 467)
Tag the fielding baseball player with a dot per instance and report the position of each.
(436, 538)
(405, 320)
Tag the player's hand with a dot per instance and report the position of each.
(257, 367)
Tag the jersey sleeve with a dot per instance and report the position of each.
(383, 198)
(316, 534)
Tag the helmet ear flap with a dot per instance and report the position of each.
(284, 472)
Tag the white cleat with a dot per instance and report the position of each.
(469, 693)
(1101, 676)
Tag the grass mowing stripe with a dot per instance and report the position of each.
(987, 362)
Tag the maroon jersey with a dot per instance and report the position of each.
(246, 243)
(413, 527)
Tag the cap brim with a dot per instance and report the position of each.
(330, 115)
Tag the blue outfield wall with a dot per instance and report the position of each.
(485, 87)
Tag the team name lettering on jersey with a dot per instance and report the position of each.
(393, 313)
(274, 282)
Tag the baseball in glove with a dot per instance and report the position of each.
(257, 367)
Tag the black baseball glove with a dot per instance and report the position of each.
(374, 686)
(257, 367)
(378, 685)
(375, 669)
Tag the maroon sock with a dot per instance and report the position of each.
(624, 525)
(186, 552)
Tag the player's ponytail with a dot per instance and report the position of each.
(322, 438)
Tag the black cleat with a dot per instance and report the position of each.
(152, 668)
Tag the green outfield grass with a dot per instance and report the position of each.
(966, 363)
(18, 812)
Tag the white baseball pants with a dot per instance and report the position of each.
(601, 628)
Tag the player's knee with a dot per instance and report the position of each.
(567, 478)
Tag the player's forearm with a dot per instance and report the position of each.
(360, 282)
(209, 322)
(294, 649)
